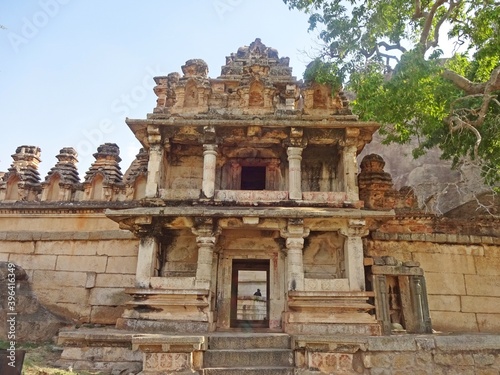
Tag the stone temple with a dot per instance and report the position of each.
(244, 239)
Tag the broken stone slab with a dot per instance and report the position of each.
(150, 343)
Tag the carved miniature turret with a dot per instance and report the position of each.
(62, 180)
(22, 181)
(376, 187)
(103, 181)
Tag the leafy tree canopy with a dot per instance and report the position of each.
(390, 53)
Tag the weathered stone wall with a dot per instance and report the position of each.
(77, 263)
(462, 270)
(395, 355)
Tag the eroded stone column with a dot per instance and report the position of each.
(294, 172)
(349, 153)
(146, 260)
(351, 173)
(155, 168)
(206, 238)
(209, 166)
(295, 235)
(353, 253)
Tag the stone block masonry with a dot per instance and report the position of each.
(398, 355)
(70, 274)
(462, 271)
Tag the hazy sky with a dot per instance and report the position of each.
(72, 70)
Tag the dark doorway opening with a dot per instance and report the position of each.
(253, 178)
(250, 293)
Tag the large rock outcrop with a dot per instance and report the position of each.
(29, 320)
(438, 187)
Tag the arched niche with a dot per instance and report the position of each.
(96, 188)
(256, 94)
(12, 193)
(191, 94)
(140, 187)
(321, 96)
(324, 256)
(53, 188)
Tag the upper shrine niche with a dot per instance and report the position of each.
(254, 81)
(256, 60)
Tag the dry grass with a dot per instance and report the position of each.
(40, 359)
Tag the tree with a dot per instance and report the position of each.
(391, 53)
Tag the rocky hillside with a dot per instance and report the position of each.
(439, 188)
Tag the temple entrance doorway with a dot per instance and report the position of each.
(250, 293)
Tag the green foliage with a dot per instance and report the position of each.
(406, 89)
(323, 72)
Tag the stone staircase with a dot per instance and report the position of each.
(249, 354)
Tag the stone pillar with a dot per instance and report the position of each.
(295, 235)
(157, 151)
(146, 260)
(235, 176)
(205, 239)
(353, 254)
(209, 166)
(350, 173)
(294, 172)
(382, 303)
(272, 175)
(418, 290)
(349, 154)
(155, 166)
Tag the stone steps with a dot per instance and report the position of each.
(249, 354)
(249, 341)
(250, 371)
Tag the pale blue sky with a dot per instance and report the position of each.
(72, 70)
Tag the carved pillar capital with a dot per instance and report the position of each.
(209, 134)
(295, 230)
(206, 231)
(210, 149)
(294, 153)
(355, 228)
(154, 134)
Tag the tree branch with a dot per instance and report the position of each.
(470, 87)
(444, 18)
(418, 11)
(455, 123)
(390, 47)
(424, 36)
